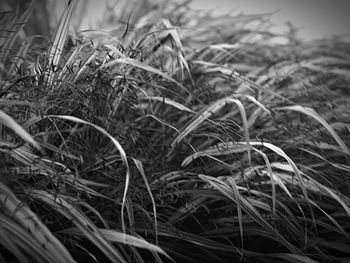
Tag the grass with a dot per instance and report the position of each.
(169, 135)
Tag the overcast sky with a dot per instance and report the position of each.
(315, 18)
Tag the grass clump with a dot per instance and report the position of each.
(173, 137)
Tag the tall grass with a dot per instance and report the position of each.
(169, 135)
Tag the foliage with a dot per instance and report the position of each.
(175, 136)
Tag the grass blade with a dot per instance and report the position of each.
(58, 43)
(13, 125)
(312, 113)
(116, 144)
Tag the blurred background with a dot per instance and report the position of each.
(312, 18)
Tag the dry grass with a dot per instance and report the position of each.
(172, 136)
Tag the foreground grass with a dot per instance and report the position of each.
(176, 137)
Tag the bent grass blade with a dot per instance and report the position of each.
(30, 221)
(208, 112)
(85, 225)
(117, 145)
(227, 191)
(312, 113)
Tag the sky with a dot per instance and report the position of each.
(314, 18)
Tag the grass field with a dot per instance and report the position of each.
(173, 136)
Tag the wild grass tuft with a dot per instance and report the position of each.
(170, 135)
